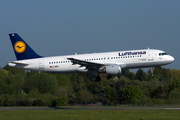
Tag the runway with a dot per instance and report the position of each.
(93, 108)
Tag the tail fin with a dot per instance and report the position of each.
(21, 48)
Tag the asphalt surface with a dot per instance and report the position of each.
(93, 108)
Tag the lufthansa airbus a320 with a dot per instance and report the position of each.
(112, 63)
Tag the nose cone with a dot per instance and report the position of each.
(170, 59)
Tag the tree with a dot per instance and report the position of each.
(159, 92)
(61, 101)
(97, 89)
(34, 93)
(63, 80)
(61, 91)
(11, 83)
(130, 75)
(108, 95)
(174, 96)
(79, 83)
(162, 74)
(85, 95)
(166, 74)
(141, 75)
(44, 82)
(130, 93)
(175, 74)
(149, 87)
(174, 84)
(14, 70)
(116, 87)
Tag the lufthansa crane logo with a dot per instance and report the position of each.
(19, 46)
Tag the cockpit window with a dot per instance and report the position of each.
(164, 53)
(160, 54)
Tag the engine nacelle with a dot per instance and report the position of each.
(113, 70)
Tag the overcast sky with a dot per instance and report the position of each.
(63, 27)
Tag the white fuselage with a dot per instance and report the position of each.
(125, 59)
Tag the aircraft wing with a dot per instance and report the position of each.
(87, 64)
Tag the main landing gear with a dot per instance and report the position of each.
(93, 77)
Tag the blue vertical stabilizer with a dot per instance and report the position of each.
(21, 48)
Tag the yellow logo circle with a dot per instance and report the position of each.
(19, 46)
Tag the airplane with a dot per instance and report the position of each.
(111, 63)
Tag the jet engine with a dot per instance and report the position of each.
(113, 70)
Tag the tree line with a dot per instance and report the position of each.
(28, 88)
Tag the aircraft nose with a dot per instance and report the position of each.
(171, 59)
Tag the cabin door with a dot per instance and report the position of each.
(150, 55)
(41, 64)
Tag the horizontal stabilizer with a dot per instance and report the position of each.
(19, 63)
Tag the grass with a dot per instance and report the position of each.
(85, 114)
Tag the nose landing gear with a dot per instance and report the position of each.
(152, 74)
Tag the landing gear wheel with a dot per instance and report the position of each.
(95, 79)
(98, 78)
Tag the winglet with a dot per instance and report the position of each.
(21, 48)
